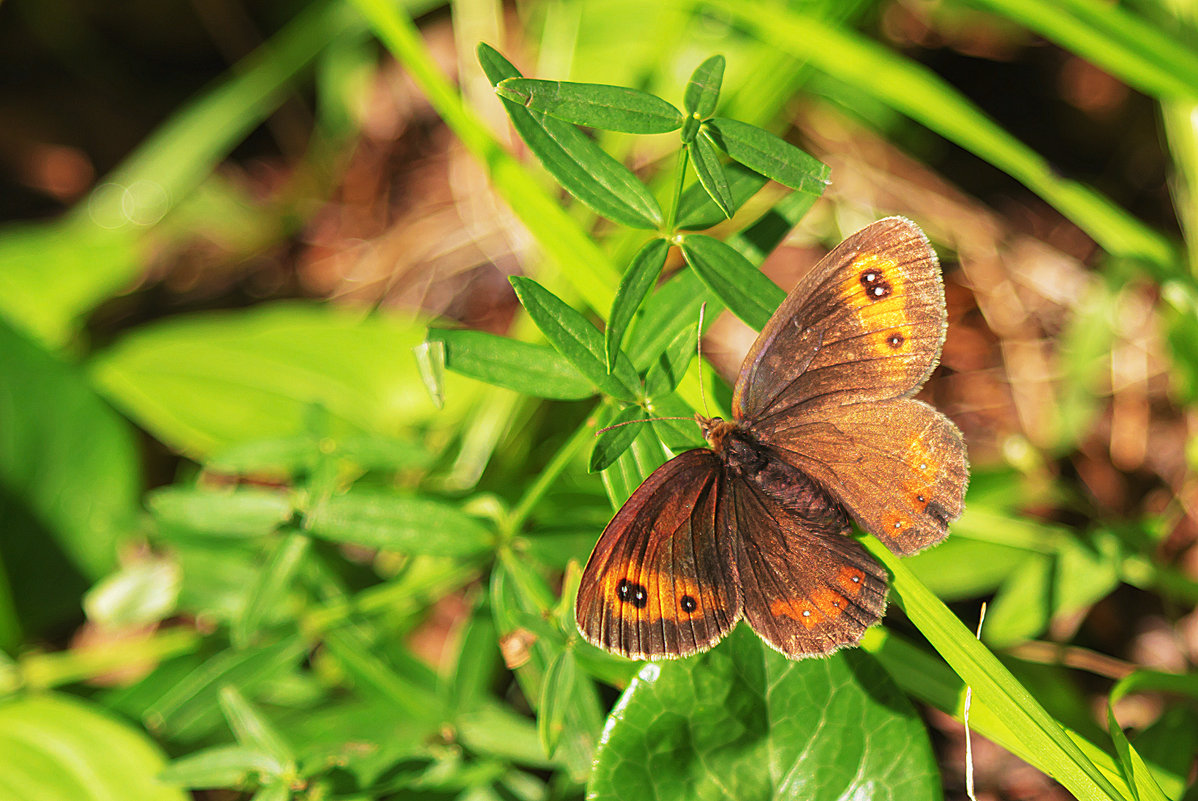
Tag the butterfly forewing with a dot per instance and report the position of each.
(865, 324)
(808, 588)
(661, 580)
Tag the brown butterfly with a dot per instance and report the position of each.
(824, 428)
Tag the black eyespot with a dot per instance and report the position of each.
(895, 340)
(876, 286)
(630, 592)
(688, 604)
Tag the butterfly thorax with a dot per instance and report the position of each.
(749, 460)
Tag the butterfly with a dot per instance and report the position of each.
(823, 430)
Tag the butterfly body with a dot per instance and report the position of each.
(823, 430)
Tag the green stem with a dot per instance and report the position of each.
(532, 496)
(43, 671)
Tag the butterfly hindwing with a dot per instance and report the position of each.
(899, 466)
(808, 588)
(864, 324)
(661, 581)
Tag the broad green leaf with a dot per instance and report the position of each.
(231, 766)
(396, 522)
(744, 722)
(703, 88)
(749, 294)
(759, 239)
(673, 306)
(583, 168)
(207, 381)
(676, 434)
(274, 582)
(611, 108)
(243, 512)
(59, 748)
(667, 370)
(556, 694)
(69, 483)
(613, 442)
(535, 370)
(576, 339)
(769, 155)
(711, 172)
(638, 279)
(696, 209)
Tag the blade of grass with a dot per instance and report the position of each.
(580, 261)
(993, 685)
(918, 93)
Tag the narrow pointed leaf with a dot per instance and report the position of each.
(697, 210)
(667, 370)
(246, 512)
(749, 294)
(678, 435)
(555, 700)
(576, 339)
(634, 286)
(251, 727)
(769, 155)
(711, 172)
(703, 89)
(612, 443)
(270, 586)
(611, 108)
(535, 370)
(395, 522)
(583, 168)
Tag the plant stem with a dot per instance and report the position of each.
(679, 180)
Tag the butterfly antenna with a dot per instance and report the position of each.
(641, 420)
(699, 350)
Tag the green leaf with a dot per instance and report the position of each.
(535, 370)
(207, 381)
(611, 108)
(232, 766)
(666, 372)
(711, 173)
(696, 209)
(749, 294)
(251, 728)
(769, 155)
(1135, 771)
(638, 279)
(1047, 745)
(613, 442)
(69, 484)
(676, 434)
(141, 593)
(702, 92)
(583, 168)
(703, 88)
(58, 748)
(576, 339)
(744, 722)
(274, 582)
(395, 522)
(556, 696)
(243, 512)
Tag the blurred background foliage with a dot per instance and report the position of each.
(227, 226)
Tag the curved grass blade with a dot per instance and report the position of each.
(583, 168)
(748, 293)
(711, 172)
(634, 286)
(535, 370)
(769, 155)
(595, 105)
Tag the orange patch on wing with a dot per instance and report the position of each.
(876, 291)
(650, 595)
(922, 461)
(850, 579)
(823, 604)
